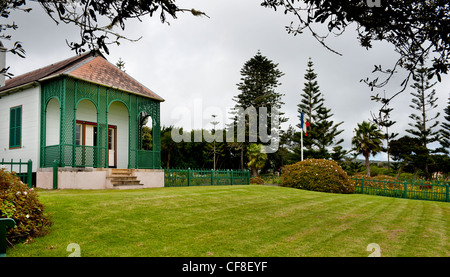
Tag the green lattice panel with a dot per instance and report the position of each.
(147, 106)
(50, 89)
(87, 91)
(85, 156)
(116, 95)
(102, 130)
(50, 153)
(156, 129)
(134, 131)
(69, 92)
(68, 120)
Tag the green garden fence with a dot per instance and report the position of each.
(23, 170)
(434, 191)
(205, 177)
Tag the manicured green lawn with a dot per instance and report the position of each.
(250, 221)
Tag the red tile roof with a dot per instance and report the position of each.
(40, 73)
(92, 67)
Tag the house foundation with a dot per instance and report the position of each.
(100, 178)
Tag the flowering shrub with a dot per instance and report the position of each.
(377, 178)
(317, 175)
(256, 180)
(380, 181)
(21, 203)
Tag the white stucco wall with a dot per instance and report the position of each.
(72, 178)
(30, 101)
(86, 111)
(96, 178)
(150, 178)
(52, 124)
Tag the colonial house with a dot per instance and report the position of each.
(86, 115)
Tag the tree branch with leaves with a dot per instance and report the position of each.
(96, 20)
(417, 29)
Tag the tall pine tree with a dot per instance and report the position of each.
(312, 98)
(424, 102)
(260, 78)
(424, 123)
(323, 132)
(258, 89)
(445, 131)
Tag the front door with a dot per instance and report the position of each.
(89, 135)
(85, 140)
(112, 146)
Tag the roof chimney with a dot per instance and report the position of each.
(2, 64)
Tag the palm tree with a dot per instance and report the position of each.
(256, 158)
(367, 141)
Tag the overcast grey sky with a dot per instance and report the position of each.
(197, 60)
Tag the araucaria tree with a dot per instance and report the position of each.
(326, 133)
(120, 64)
(323, 131)
(211, 147)
(424, 102)
(311, 101)
(367, 141)
(445, 131)
(312, 98)
(259, 81)
(260, 78)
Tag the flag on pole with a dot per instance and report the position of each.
(304, 124)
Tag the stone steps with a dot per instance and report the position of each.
(123, 179)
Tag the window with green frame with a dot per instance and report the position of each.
(15, 127)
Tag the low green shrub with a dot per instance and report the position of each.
(271, 179)
(406, 176)
(376, 170)
(21, 203)
(317, 175)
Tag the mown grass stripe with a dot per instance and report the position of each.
(238, 221)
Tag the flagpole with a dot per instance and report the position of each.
(301, 141)
(301, 135)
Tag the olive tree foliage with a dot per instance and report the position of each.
(418, 30)
(100, 22)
